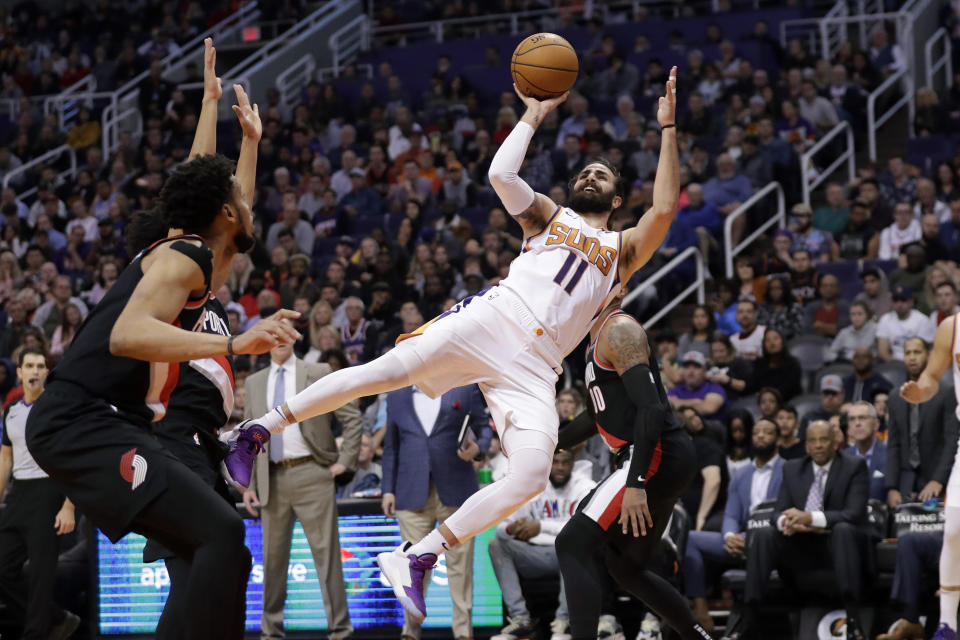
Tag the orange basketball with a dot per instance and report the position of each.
(544, 65)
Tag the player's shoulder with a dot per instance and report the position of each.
(621, 324)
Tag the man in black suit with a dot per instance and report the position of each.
(820, 521)
(922, 438)
(864, 382)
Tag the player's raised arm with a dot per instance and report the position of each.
(529, 208)
(641, 241)
(928, 383)
(205, 139)
(249, 118)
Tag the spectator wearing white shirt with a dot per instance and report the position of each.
(340, 180)
(524, 542)
(815, 108)
(904, 230)
(927, 202)
(312, 200)
(748, 344)
(83, 218)
(897, 326)
(945, 295)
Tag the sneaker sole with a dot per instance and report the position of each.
(388, 566)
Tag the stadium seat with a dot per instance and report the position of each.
(894, 371)
(842, 369)
(749, 403)
(805, 404)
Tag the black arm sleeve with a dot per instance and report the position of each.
(648, 424)
(576, 431)
(3, 429)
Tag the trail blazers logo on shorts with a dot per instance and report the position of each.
(133, 468)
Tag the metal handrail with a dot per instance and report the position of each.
(40, 160)
(806, 160)
(290, 82)
(780, 216)
(944, 61)
(436, 27)
(698, 284)
(874, 122)
(358, 39)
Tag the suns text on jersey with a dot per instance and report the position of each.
(597, 254)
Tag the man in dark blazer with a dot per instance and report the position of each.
(427, 476)
(862, 423)
(756, 483)
(922, 438)
(820, 522)
(296, 478)
(864, 382)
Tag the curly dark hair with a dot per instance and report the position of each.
(196, 191)
(145, 228)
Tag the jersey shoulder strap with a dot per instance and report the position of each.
(201, 255)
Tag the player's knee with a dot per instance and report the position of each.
(576, 536)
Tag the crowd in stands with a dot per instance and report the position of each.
(374, 214)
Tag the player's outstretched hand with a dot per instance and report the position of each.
(911, 392)
(248, 116)
(544, 106)
(267, 334)
(212, 89)
(667, 106)
(635, 513)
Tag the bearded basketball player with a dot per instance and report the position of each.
(511, 338)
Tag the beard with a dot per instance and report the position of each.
(244, 241)
(765, 453)
(591, 202)
(559, 483)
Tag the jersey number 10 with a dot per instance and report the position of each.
(565, 269)
(596, 395)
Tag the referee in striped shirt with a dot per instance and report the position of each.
(36, 513)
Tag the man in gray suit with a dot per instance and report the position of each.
(296, 478)
(922, 438)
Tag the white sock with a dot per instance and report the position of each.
(948, 607)
(950, 568)
(433, 542)
(274, 421)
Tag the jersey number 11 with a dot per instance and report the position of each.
(565, 269)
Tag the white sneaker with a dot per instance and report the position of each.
(518, 629)
(609, 629)
(649, 628)
(558, 630)
(406, 573)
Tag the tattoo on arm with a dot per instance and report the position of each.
(625, 344)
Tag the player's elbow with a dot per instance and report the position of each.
(500, 178)
(122, 341)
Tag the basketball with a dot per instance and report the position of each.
(544, 66)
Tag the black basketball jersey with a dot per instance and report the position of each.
(609, 405)
(136, 388)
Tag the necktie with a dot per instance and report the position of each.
(857, 391)
(914, 436)
(276, 440)
(815, 495)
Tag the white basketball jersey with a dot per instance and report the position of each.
(955, 356)
(566, 275)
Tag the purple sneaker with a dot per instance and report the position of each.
(944, 632)
(249, 441)
(407, 573)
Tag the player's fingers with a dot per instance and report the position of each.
(647, 516)
(637, 523)
(624, 518)
(256, 109)
(242, 99)
(285, 313)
